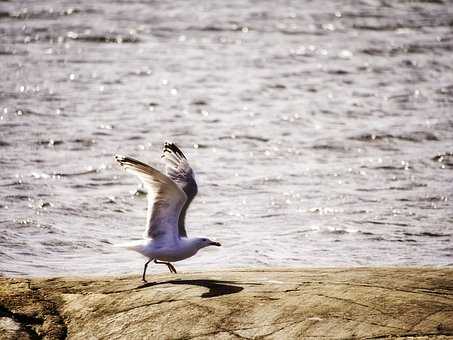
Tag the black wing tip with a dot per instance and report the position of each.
(123, 160)
(120, 159)
(173, 148)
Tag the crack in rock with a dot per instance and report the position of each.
(406, 335)
(352, 302)
(426, 317)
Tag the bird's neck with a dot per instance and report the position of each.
(192, 243)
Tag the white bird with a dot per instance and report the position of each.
(169, 196)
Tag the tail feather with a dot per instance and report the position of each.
(135, 246)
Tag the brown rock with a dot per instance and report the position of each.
(365, 303)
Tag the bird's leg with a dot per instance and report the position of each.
(144, 270)
(169, 265)
(172, 268)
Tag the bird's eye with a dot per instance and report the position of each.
(204, 240)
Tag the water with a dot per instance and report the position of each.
(321, 135)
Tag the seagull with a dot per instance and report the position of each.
(169, 197)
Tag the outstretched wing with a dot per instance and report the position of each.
(178, 169)
(165, 199)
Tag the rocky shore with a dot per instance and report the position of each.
(346, 303)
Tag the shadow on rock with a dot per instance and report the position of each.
(216, 287)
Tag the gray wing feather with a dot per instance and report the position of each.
(178, 169)
(165, 199)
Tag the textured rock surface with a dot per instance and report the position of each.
(366, 303)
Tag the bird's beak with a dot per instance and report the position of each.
(217, 244)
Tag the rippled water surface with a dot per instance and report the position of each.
(321, 135)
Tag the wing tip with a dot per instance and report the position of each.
(126, 162)
(171, 147)
(120, 159)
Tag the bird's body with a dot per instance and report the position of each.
(181, 249)
(169, 197)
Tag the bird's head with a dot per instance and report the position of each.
(205, 242)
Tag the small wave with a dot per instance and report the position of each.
(376, 222)
(86, 142)
(101, 38)
(427, 234)
(419, 48)
(74, 174)
(295, 31)
(254, 138)
(416, 136)
(445, 158)
(270, 215)
(386, 167)
(410, 240)
(56, 243)
(335, 231)
(28, 112)
(331, 147)
(447, 90)
(433, 199)
(338, 72)
(366, 233)
(93, 185)
(331, 230)
(199, 102)
(408, 187)
(234, 27)
(277, 86)
(17, 197)
(27, 14)
(386, 223)
(49, 142)
(108, 38)
(377, 238)
(7, 51)
(449, 250)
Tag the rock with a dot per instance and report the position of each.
(365, 303)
